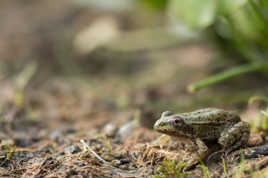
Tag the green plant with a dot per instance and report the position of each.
(170, 168)
(205, 170)
(262, 121)
(240, 25)
(225, 173)
(8, 150)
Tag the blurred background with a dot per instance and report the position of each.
(138, 52)
(147, 55)
(91, 66)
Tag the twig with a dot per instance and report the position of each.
(87, 148)
(255, 152)
(115, 170)
(243, 69)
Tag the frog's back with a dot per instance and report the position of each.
(211, 116)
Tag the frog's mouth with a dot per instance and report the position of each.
(167, 132)
(166, 127)
(163, 127)
(159, 125)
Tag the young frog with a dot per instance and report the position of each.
(208, 124)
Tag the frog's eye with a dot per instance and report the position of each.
(177, 121)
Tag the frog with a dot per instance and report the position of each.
(209, 124)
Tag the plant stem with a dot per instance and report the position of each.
(243, 69)
(255, 98)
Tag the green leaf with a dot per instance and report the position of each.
(195, 14)
(230, 6)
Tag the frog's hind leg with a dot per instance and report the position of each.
(242, 142)
(234, 137)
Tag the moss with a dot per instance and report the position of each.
(170, 168)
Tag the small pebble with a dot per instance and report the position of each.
(116, 163)
(110, 130)
(58, 134)
(125, 167)
(127, 130)
(125, 160)
(72, 149)
(107, 158)
(119, 163)
(61, 153)
(255, 139)
(81, 164)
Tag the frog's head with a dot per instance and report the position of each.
(170, 124)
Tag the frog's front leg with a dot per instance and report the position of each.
(202, 152)
(234, 137)
(202, 148)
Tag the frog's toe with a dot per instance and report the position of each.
(215, 153)
(228, 151)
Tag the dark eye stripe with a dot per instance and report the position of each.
(177, 121)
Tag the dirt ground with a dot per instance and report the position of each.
(70, 108)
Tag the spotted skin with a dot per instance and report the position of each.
(223, 126)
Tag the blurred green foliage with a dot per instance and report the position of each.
(195, 14)
(241, 26)
(158, 4)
